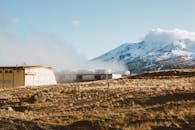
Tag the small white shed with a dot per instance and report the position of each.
(12, 76)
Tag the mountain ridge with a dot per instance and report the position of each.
(160, 49)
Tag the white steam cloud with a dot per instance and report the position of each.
(45, 51)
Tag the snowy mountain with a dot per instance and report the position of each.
(160, 49)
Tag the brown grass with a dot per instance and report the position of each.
(153, 100)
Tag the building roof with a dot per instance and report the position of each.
(22, 67)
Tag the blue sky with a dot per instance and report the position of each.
(95, 26)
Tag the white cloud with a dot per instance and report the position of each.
(76, 23)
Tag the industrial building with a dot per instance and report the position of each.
(93, 77)
(14, 76)
(89, 75)
(99, 74)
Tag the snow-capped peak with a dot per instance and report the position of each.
(158, 45)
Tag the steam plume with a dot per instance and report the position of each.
(45, 51)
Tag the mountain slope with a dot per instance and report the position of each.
(160, 49)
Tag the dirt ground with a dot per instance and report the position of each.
(163, 100)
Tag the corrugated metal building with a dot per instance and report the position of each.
(93, 77)
(89, 75)
(13, 76)
(99, 74)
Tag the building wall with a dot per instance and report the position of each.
(116, 76)
(1, 78)
(88, 77)
(92, 77)
(39, 76)
(85, 77)
(19, 77)
(67, 78)
(11, 77)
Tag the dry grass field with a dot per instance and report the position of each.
(163, 100)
